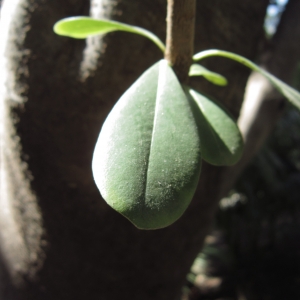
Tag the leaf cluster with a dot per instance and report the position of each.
(147, 159)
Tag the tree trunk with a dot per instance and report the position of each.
(59, 239)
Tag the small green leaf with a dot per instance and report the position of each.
(291, 94)
(221, 140)
(147, 159)
(83, 27)
(215, 78)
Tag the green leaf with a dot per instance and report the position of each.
(291, 94)
(221, 140)
(215, 78)
(83, 27)
(147, 159)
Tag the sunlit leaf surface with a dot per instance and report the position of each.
(290, 93)
(83, 27)
(215, 78)
(147, 159)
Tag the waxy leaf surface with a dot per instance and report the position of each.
(147, 159)
(83, 27)
(221, 140)
(290, 93)
(215, 78)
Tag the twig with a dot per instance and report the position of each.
(180, 36)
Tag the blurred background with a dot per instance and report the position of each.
(254, 249)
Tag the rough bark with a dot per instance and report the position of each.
(59, 240)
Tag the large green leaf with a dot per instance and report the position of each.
(215, 78)
(221, 140)
(83, 27)
(147, 159)
(291, 94)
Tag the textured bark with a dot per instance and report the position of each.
(59, 239)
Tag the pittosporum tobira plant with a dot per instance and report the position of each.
(147, 159)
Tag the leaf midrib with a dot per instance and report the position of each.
(152, 134)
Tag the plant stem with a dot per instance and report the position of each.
(180, 36)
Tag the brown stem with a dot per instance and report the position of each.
(180, 36)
